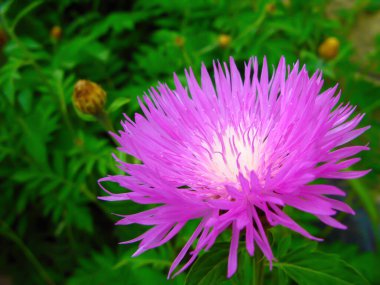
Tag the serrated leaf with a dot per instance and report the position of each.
(210, 268)
(99, 269)
(80, 217)
(307, 266)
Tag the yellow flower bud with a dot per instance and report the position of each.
(89, 97)
(329, 49)
(224, 40)
(56, 32)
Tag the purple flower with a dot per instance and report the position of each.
(232, 153)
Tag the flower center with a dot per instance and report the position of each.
(233, 152)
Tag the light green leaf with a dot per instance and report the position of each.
(148, 258)
(117, 104)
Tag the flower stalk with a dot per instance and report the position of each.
(105, 121)
(259, 267)
(8, 232)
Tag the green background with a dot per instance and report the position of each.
(53, 230)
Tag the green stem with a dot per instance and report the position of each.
(62, 105)
(186, 57)
(207, 49)
(104, 119)
(27, 252)
(259, 267)
(253, 27)
(259, 260)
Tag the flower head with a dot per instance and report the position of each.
(232, 153)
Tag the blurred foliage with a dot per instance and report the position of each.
(53, 229)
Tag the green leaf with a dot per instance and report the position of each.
(307, 266)
(117, 21)
(9, 73)
(80, 217)
(366, 198)
(366, 262)
(24, 12)
(80, 50)
(5, 5)
(210, 268)
(25, 99)
(37, 128)
(149, 258)
(117, 104)
(282, 241)
(99, 269)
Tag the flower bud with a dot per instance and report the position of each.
(224, 40)
(329, 48)
(286, 3)
(3, 38)
(89, 97)
(79, 142)
(179, 41)
(56, 32)
(270, 8)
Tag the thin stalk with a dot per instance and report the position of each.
(63, 107)
(259, 266)
(27, 252)
(253, 27)
(104, 119)
(186, 56)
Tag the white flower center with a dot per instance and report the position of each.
(233, 152)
